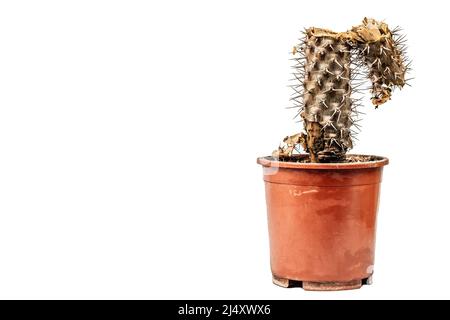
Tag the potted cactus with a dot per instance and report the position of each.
(322, 203)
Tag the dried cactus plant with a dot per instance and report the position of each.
(328, 71)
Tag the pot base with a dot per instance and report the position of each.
(321, 286)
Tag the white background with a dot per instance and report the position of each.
(129, 132)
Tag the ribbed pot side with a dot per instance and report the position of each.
(322, 222)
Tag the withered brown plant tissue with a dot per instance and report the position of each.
(330, 69)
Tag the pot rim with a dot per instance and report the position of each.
(269, 161)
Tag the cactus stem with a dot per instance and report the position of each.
(329, 68)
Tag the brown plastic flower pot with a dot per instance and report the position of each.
(322, 222)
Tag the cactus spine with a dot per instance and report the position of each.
(328, 65)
